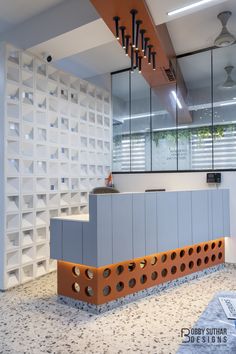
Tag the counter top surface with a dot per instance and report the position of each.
(77, 217)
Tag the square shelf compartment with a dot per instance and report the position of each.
(53, 120)
(92, 144)
(27, 220)
(83, 86)
(53, 73)
(27, 185)
(13, 110)
(27, 97)
(13, 73)
(27, 62)
(74, 155)
(13, 55)
(13, 130)
(41, 68)
(41, 201)
(27, 149)
(12, 222)
(92, 117)
(99, 119)
(41, 185)
(65, 184)
(27, 237)
(41, 234)
(74, 210)
(92, 170)
(12, 186)
(53, 153)
(52, 265)
(52, 104)
(27, 202)
(84, 170)
(83, 209)
(53, 213)
(12, 167)
(84, 184)
(53, 184)
(100, 170)
(12, 259)
(53, 169)
(64, 199)
(27, 273)
(75, 198)
(64, 153)
(53, 89)
(41, 151)
(83, 142)
(74, 169)
(41, 134)
(41, 118)
(41, 85)
(99, 94)
(53, 201)
(106, 97)
(27, 79)
(13, 147)
(75, 84)
(64, 94)
(12, 240)
(64, 79)
(41, 167)
(64, 169)
(12, 204)
(74, 126)
(27, 167)
(13, 92)
(74, 183)
(42, 251)
(65, 211)
(83, 115)
(107, 122)
(41, 218)
(74, 97)
(41, 268)
(74, 140)
(84, 197)
(41, 101)
(27, 255)
(64, 138)
(12, 278)
(74, 111)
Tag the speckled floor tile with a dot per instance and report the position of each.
(33, 321)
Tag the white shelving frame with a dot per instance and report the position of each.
(55, 146)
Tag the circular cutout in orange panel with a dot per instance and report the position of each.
(219, 244)
(153, 260)
(213, 245)
(106, 291)
(191, 264)
(119, 269)
(76, 271)
(213, 258)
(154, 275)
(199, 249)
(163, 258)
(143, 279)
(106, 273)
(206, 260)
(182, 267)
(132, 283)
(89, 291)
(190, 251)
(164, 272)
(131, 266)
(199, 262)
(173, 255)
(205, 248)
(120, 286)
(220, 255)
(89, 273)
(182, 253)
(143, 263)
(173, 270)
(76, 287)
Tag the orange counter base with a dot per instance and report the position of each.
(101, 285)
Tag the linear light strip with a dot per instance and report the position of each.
(188, 7)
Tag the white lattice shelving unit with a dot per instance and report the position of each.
(56, 131)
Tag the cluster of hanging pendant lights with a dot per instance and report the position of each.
(137, 54)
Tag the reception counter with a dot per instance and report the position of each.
(132, 241)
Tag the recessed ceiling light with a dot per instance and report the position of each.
(188, 7)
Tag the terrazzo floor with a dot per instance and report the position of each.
(33, 321)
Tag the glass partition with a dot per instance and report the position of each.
(186, 126)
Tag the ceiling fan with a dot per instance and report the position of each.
(225, 38)
(229, 82)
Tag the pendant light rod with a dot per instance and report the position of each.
(142, 32)
(140, 64)
(138, 23)
(154, 60)
(136, 58)
(127, 38)
(117, 19)
(133, 13)
(122, 28)
(150, 46)
(132, 58)
(146, 40)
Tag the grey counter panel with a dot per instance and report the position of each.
(122, 227)
(226, 212)
(217, 214)
(104, 230)
(90, 236)
(56, 239)
(167, 226)
(139, 223)
(185, 219)
(72, 242)
(200, 221)
(151, 222)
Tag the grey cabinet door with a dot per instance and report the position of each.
(184, 219)
(200, 217)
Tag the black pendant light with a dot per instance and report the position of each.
(136, 58)
(127, 38)
(150, 46)
(146, 40)
(142, 31)
(154, 60)
(117, 19)
(138, 23)
(140, 64)
(122, 28)
(133, 13)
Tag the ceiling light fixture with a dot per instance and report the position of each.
(142, 32)
(117, 19)
(225, 38)
(140, 64)
(189, 7)
(133, 13)
(138, 23)
(146, 40)
(122, 28)
(150, 53)
(127, 38)
(132, 59)
(176, 99)
(154, 60)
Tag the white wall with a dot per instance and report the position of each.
(183, 181)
